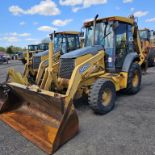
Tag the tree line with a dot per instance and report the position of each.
(12, 49)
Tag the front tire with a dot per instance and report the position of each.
(102, 96)
(134, 79)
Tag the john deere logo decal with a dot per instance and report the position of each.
(84, 68)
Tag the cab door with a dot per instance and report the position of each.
(123, 43)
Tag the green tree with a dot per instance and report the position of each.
(2, 49)
(9, 50)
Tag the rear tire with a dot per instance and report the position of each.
(134, 79)
(151, 58)
(102, 96)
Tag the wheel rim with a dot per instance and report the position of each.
(106, 97)
(135, 80)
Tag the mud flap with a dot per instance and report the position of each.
(41, 117)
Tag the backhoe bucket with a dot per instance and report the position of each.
(42, 117)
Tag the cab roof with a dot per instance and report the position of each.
(67, 32)
(112, 18)
(33, 45)
(145, 29)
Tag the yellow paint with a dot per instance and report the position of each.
(106, 97)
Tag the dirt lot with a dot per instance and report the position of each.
(128, 130)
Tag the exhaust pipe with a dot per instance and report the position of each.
(94, 25)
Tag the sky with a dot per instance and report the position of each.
(24, 22)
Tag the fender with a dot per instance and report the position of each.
(130, 58)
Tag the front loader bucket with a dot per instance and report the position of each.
(41, 117)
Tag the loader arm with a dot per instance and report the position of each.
(79, 73)
(43, 65)
(41, 70)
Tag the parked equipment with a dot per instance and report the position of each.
(64, 42)
(3, 59)
(110, 61)
(32, 50)
(148, 44)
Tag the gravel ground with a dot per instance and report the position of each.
(128, 130)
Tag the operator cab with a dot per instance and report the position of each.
(43, 46)
(116, 37)
(145, 34)
(32, 49)
(65, 42)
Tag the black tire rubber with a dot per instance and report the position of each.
(95, 96)
(130, 88)
(151, 57)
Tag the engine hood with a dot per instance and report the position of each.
(41, 54)
(83, 51)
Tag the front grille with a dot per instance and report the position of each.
(36, 62)
(66, 68)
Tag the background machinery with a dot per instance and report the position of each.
(64, 42)
(148, 44)
(32, 49)
(110, 61)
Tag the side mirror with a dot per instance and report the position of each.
(51, 36)
(115, 25)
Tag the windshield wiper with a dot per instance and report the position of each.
(107, 35)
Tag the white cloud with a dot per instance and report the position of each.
(22, 23)
(59, 22)
(89, 19)
(11, 39)
(81, 4)
(32, 40)
(24, 34)
(76, 9)
(140, 13)
(132, 9)
(88, 3)
(45, 7)
(16, 10)
(117, 8)
(15, 34)
(127, 1)
(12, 34)
(46, 28)
(150, 20)
(35, 23)
(14, 37)
(70, 2)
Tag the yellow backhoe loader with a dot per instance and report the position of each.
(34, 69)
(110, 61)
(32, 50)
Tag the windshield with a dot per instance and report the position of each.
(66, 43)
(144, 34)
(43, 47)
(104, 35)
(58, 39)
(32, 47)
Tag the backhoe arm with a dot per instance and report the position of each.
(138, 44)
